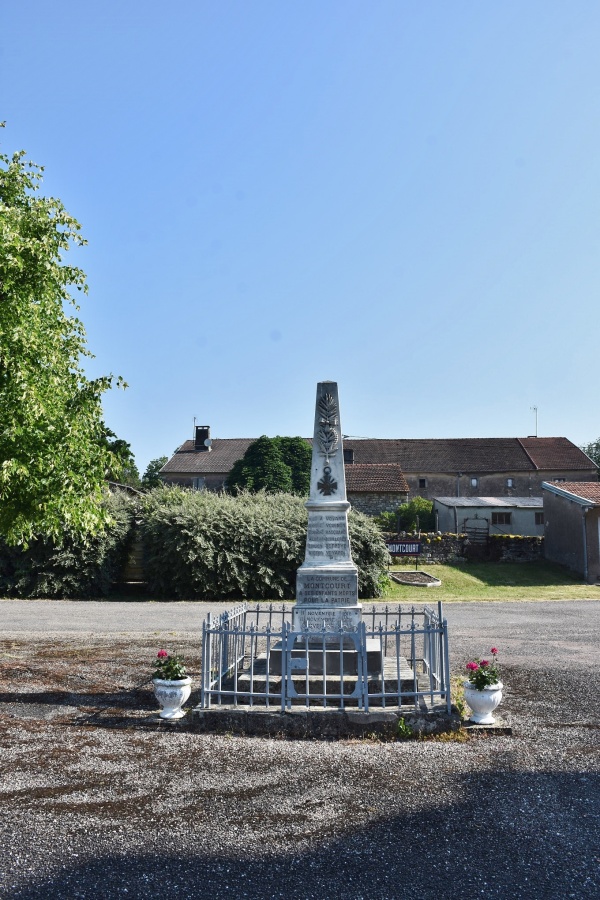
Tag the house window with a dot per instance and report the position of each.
(510, 483)
(539, 518)
(199, 484)
(348, 455)
(474, 482)
(501, 518)
(422, 482)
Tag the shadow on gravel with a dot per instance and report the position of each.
(511, 836)
(125, 699)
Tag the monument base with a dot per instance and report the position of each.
(313, 617)
(333, 584)
(320, 657)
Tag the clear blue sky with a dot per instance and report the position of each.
(403, 197)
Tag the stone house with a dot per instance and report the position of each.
(373, 489)
(438, 467)
(572, 526)
(490, 515)
(476, 467)
(204, 463)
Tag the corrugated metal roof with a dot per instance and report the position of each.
(487, 502)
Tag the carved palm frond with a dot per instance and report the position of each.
(328, 410)
(328, 440)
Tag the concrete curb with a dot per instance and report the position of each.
(323, 724)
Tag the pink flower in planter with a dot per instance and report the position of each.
(494, 651)
(484, 663)
(472, 666)
(162, 654)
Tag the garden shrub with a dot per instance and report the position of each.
(77, 567)
(197, 544)
(208, 546)
(406, 516)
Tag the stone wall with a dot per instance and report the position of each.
(441, 548)
(373, 504)
(437, 547)
(515, 548)
(489, 484)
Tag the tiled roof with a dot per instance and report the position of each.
(444, 455)
(385, 477)
(555, 453)
(585, 490)
(487, 502)
(469, 455)
(219, 459)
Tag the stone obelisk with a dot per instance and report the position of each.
(327, 580)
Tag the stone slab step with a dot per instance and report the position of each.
(333, 682)
(328, 658)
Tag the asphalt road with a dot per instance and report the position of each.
(95, 803)
(568, 630)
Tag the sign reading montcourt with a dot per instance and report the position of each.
(404, 548)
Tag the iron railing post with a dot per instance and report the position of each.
(206, 661)
(446, 666)
(363, 668)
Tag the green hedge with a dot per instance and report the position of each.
(197, 544)
(77, 568)
(216, 547)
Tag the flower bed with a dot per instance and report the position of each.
(415, 579)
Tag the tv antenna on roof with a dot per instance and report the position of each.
(534, 409)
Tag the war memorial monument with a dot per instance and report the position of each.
(327, 580)
(325, 651)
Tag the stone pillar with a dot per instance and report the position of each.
(327, 580)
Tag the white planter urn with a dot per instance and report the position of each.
(484, 702)
(172, 695)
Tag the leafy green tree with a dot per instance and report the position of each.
(593, 451)
(261, 468)
(297, 454)
(122, 469)
(150, 477)
(407, 515)
(52, 456)
(417, 511)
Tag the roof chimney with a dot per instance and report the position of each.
(202, 439)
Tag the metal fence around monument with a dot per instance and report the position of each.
(251, 656)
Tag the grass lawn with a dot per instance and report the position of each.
(495, 581)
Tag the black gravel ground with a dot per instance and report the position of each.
(97, 803)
